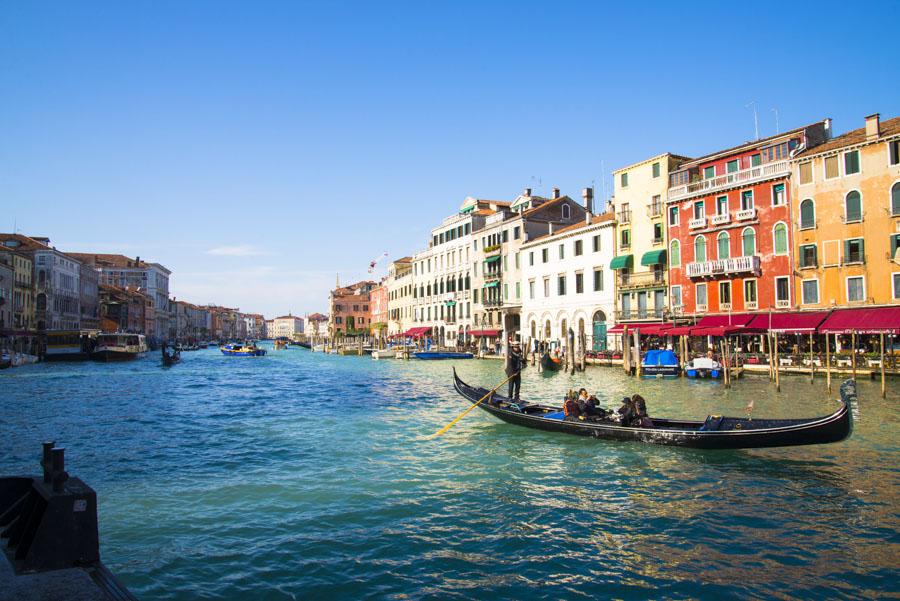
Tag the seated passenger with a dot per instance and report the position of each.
(626, 412)
(570, 407)
(641, 419)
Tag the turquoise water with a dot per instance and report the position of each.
(305, 476)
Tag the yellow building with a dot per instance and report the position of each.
(846, 213)
(23, 288)
(641, 261)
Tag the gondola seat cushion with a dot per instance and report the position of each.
(712, 423)
(555, 415)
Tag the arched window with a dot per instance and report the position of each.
(895, 199)
(468, 283)
(533, 329)
(807, 214)
(675, 253)
(722, 245)
(42, 301)
(547, 330)
(566, 212)
(564, 331)
(852, 207)
(699, 249)
(779, 233)
(748, 241)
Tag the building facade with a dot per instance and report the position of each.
(641, 240)
(89, 297)
(378, 305)
(401, 304)
(568, 283)
(315, 327)
(349, 307)
(847, 218)
(286, 326)
(7, 286)
(729, 222)
(23, 288)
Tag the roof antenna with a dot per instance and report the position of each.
(777, 128)
(752, 104)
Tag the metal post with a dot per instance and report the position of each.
(777, 366)
(853, 351)
(883, 391)
(46, 460)
(812, 362)
(637, 351)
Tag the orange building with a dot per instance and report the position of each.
(847, 218)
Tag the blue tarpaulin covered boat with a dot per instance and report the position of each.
(660, 364)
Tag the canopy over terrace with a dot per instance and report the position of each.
(805, 322)
(868, 320)
(484, 333)
(416, 332)
(646, 329)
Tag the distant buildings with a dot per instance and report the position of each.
(350, 313)
(286, 326)
(315, 326)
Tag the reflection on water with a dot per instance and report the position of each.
(308, 476)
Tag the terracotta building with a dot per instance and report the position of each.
(350, 310)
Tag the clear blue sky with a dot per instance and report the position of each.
(258, 149)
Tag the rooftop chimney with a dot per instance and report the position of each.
(588, 195)
(873, 126)
(550, 228)
(527, 192)
(555, 192)
(828, 128)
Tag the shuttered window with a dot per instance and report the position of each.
(807, 214)
(854, 251)
(851, 162)
(853, 207)
(808, 255)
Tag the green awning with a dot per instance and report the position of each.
(654, 257)
(450, 303)
(493, 259)
(492, 284)
(622, 262)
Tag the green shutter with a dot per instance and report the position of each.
(895, 242)
(755, 160)
(846, 250)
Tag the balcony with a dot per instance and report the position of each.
(730, 180)
(751, 305)
(723, 267)
(701, 308)
(492, 275)
(633, 314)
(648, 279)
(746, 214)
(782, 304)
(654, 209)
(624, 216)
(492, 302)
(697, 223)
(723, 219)
(724, 306)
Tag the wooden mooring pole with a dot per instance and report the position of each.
(853, 350)
(883, 390)
(812, 361)
(827, 364)
(777, 366)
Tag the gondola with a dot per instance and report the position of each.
(548, 363)
(716, 432)
(170, 359)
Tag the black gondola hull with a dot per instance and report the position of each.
(747, 434)
(548, 364)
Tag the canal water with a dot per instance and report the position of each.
(306, 476)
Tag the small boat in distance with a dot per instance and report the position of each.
(715, 432)
(660, 364)
(549, 363)
(172, 357)
(280, 344)
(249, 349)
(119, 347)
(703, 367)
(442, 355)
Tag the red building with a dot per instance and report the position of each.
(350, 309)
(378, 304)
(729, 223)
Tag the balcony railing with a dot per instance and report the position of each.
(492, 302)
(745, 214)
(728, 180)
(654, 209)
(624, 216)
(722, 219)
(697, 223)
(647, 313)
(701, 308)
(723, 267)
(648, 279)
(782, 304)
(751, 305)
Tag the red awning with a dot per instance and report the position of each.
(484, 333)
(804, 322)
(725, 319)
(719, 331)
(869, 320)
(680, 331)
(616, 329)
(416, 332)
(647, 329)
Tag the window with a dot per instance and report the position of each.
(750, 291)
(657, 233)
(779, 233)
(895, 199)
(530, 258)
(854, 251)
(806, 173)
(831, 167)
(545, 255)
(624, 180)
(777, 195)
(675, 296)
(579, 282)
(566, 212)
(596, 243)
(724, 293)
(673, 215)
(856, 289)
(746, 200)
(517, 233)
(531, 289)
(894, 152)
(701, 294)
(505, 237)
(675, 253)
(546, 287)
(625, 239)
(561, 284)
(851, 162)
(895, 244)
(518, 289)
(699, 249)
(722, 205)
(782, 291)
(699, 210)
(722, 243)
(810, 292)
(852, 207)
(807, 255)
(505, 291)
(731, 166)
(755, 160)
(748, 242)
(709, 172)
(598, 279)
(807, 214)
(562, 251)
(655, 170)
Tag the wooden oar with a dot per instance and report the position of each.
(463, 414)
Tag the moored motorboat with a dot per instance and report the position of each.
(715, 432)
(442, 355)
(660, 364)
(703, 367)
(69, 345)
(119, 347)
(234, 349)
(384, 353)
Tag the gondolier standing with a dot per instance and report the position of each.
(514, 363)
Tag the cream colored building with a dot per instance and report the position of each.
(641, 261)
(401, 303)
(286, 326)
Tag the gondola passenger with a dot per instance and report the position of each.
(641, 419)
(627, 412)
(571, 411)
